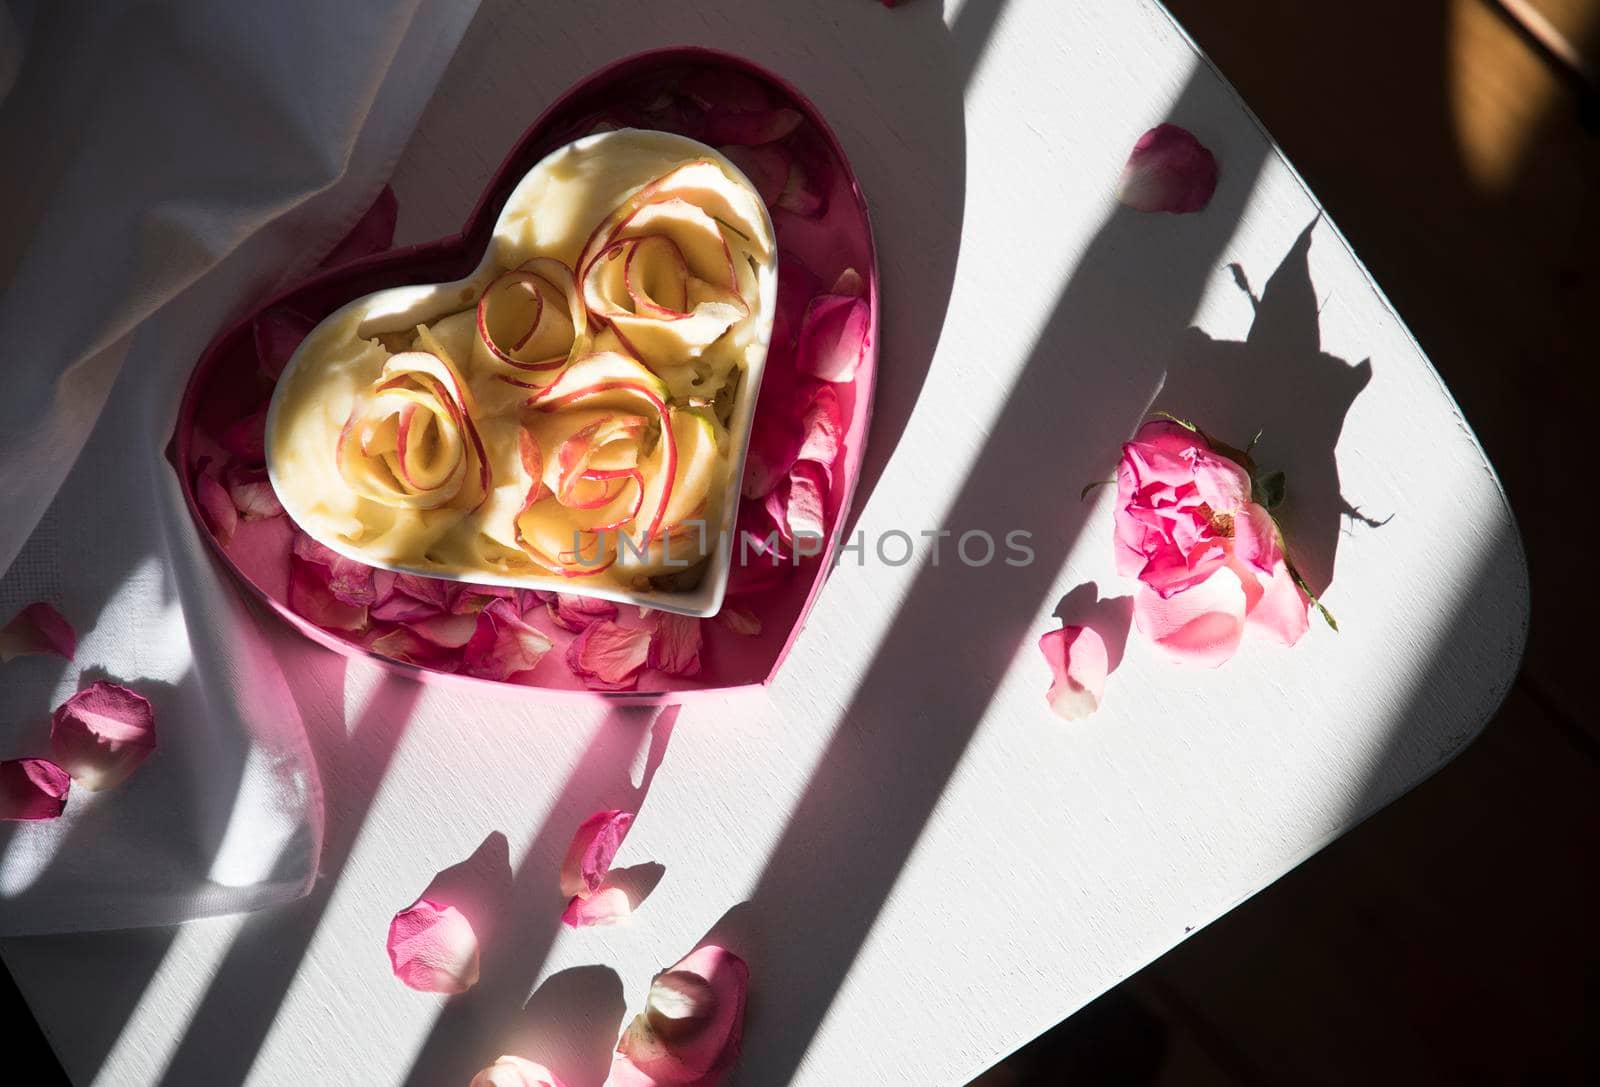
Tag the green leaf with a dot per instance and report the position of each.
(1087, 487)
(1268, 490)
(1171, 418)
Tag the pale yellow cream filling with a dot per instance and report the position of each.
(638, 306)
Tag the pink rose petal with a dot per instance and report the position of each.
(593, 848)
(446, 631)
(797, 286)
(277, 333)
(575, 613)
(247, 439)
(433, 949)
(101, 734)
(503, 645)
(32, 789)
(675, 646)
(404, 645)
(251, 493)
(1199, 626)
(810, 177)
(607, 906)
(1169, 170)
(216, 505)
(37, 628)
(833, 337)
(1282, 612)
(373, 232)
(739, 621)
(1077, 659)
(350, 582)
(515, 1072)
(692, 1027)
(471, 599)
(798, 507)
(608, 656)
(310, 598)
(823, 429)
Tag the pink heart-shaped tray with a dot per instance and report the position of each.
(819, 238)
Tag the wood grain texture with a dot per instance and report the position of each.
(923, 867)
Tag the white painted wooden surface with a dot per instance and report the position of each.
(932, 868)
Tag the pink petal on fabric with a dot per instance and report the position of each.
(607, 906)
(433, 949)
(675, 646)
(216, 506)
(373, 232)
(1200, 626)
(1169, 170)
(515, 1072)
(575, 613)
(247, 439)
(1282, 612)
(593, 848)
(693, 1024)
(310, 598)
(1077, 659)
(503, 644)
(608, 656)
(833, 337)
(36, 629)
(277, 333)
(739, 621)
(32, 789)
(101, 734)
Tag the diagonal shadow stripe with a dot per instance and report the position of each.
(1089, 379)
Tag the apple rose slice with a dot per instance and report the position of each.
(530, 323)
(410, 441)
(685, 528)
(668, 270)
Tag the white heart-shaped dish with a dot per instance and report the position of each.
(567, 195)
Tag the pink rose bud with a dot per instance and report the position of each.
(101, 734)
(1209, 558)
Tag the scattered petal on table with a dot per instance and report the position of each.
(593, 848)
(32, 789)
(1077, 659)
(515, 1072)
(608, 656)
(575, 613)
(37, 628)
(101, 734)
(1169, 170)
(433, 949)
(675, 646)
(503, 645)
(607, 906)
(692, 1026)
